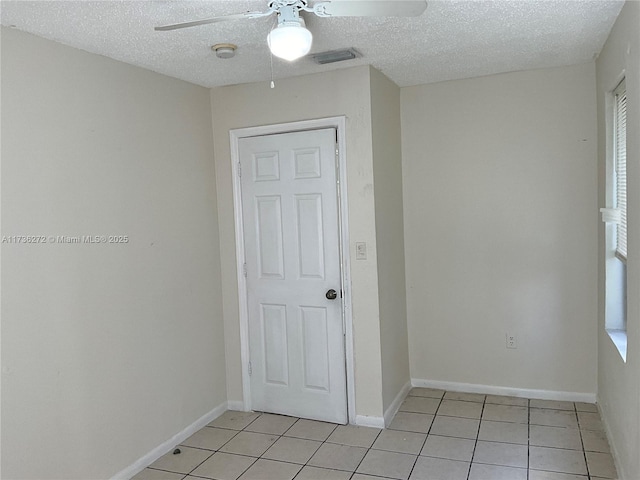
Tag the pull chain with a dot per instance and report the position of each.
(273, 85)
(274, 25)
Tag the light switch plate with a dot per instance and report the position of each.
(361, 250)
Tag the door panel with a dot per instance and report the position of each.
(269, 233)
(315, 347)
(290, 221)
(310, 236)
(274, 333)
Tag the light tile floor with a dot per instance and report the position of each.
(436, 435)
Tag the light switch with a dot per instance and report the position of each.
(361, 250)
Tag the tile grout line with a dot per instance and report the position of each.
(477, 436)
(427, 434)
(293, 463)
(528, 436)
(261, 457)
(196, 467)
(316, 451)
(365, 454)
(325, 441)
(584, 453)
(205, 449)
(221, 446)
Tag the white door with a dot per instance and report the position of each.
(291, 236)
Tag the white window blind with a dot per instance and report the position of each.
(620, 153)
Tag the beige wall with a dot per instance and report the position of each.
(107, 350)
(341, 92)
(387, 175)
(619, 383)
(500, 203)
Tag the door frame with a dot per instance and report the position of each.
(339, 123)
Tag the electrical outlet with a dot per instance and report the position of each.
(512, 341)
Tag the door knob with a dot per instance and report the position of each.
(331, 294)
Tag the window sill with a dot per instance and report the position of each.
(619, 339)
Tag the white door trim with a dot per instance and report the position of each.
(339, 123)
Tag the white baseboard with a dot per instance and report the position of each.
(390, 412)
(366, 421)
(509, 391)
(166, 446)
(237, 405)
(622, 474)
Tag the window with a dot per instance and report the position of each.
(616, 221)
(620, 162)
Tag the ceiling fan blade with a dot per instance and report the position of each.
(207, 21)
(370, 8)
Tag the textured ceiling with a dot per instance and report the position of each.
(451, 40)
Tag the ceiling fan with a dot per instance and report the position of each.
(291, 40)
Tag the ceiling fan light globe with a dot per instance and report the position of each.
(290, 41)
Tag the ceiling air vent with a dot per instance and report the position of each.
(333, 56)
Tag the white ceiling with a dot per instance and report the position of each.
(451, 40)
